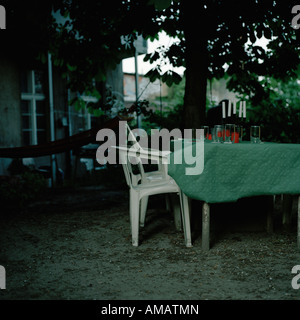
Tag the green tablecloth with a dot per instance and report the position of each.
(234, 171)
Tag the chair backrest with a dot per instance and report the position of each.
(131, 139)
(133, 143)
(129, 162)
(131, 177)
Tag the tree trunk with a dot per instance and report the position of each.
(195, 31)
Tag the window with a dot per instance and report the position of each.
(33, 108)
(85, 117)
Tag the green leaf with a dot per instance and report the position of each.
(98, 112)
(268, 33)
(176, 78)
(71, 68)
(95, 93)
(100, 76)
(171, 77)
(252, 37)
(154, 57)
(259, 31)
(78, 104)
(43, 58)
(153, 74)
(147, 57)
(160, 4)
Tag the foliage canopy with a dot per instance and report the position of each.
(215, 38)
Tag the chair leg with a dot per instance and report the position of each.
(168, 202)
(186, 219)
(144, 204)
(176, 208)
(134, 217)
(205, 226)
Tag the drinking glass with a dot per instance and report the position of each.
(218, 133)
(229, 133)
(239, 132)
(198, 134)
(255, 134)
(205, 131)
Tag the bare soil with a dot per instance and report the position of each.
(74, 243)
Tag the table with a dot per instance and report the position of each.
(235, 171)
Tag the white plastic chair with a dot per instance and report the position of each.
(142, 186)
(131, 140)
(155, 175)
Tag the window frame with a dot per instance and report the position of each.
(32, 97)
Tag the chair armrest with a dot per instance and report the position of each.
(149, 154)
(161, 157)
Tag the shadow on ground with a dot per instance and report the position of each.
(74, 243)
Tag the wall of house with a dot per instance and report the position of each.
(60, 106)
(147, 90)
(10, 119)
(10, 112)
(114, 79)
(67, 120)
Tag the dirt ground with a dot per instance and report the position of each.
(74, 243)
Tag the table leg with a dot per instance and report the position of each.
(298, 225)
(270, 216)
(205, 226)
(287, 204)
(175, 205)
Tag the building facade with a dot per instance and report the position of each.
(25, 106)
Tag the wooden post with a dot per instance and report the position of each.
(205, 226)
